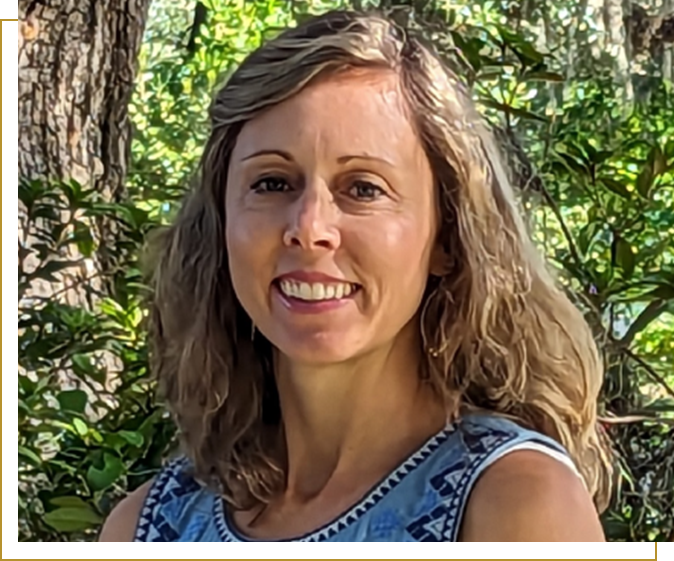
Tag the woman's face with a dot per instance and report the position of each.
(331, 219)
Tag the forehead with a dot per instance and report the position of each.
(359, 110)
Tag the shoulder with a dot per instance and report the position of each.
(530, 496)
(121, 524)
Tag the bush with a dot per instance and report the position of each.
(89, 429)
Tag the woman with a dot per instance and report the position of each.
(354, 333)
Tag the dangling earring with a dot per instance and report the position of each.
(252, 330)
(433, 352)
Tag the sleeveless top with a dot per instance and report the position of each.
(422, 500)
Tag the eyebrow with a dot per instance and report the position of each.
(346, 159)
(288, 157)
(281, 153)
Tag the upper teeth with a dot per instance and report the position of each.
(316, 290)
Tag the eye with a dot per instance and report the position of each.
(270, 184)
(365, 191)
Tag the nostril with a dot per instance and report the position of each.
(312, 232)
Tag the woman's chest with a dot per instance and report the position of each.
(283, 520)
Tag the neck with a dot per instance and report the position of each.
(366, 414)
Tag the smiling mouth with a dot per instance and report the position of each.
(316, 291)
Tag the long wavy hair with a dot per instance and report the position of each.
(498, 331)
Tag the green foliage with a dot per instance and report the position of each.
(615, 190)
(597, 177)
(595, 173)
(89, 429)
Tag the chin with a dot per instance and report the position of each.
(317, 348)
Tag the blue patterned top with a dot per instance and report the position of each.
(422, 500)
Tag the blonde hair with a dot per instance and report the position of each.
(499, 333)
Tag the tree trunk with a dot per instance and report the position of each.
(77, 63)
(668, 53)
(617, 45)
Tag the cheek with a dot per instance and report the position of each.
(395, 253)
(251, 243)
(240, 234)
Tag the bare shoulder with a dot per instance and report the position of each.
(529, 496)
(121, 524)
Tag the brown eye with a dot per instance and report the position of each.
(270, 185)
(365, 191)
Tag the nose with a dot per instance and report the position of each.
(312, 221)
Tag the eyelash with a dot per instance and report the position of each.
(257, 187)
(270, 179)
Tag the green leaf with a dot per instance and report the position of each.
(84, 239)
(645, 180)
(663, 405)
(26, 385)
(625, 257)
(72, 400)
(509, 37)
(84, 368)
(601, 156)
(656, 165)
(615, 187)
(80, 427)
(587, 235)
(116, 442)
(665, 291)
(530, 115)
(522, 48)
(669, 148)
(49, 213)
(72, 189)
(469, 49)
(101, 479)
(31, 456)
(658, 161)
(543, 76)
(147, 426)
(572, 163)
(71, 502)
(83, 363)
(23, 407)
(618, 530)
(134, 438)
(72, 519)
(527, 54)
(63, 467)
(516, 111)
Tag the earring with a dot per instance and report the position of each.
(252, 330)
(433, 352)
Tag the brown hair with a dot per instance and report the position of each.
(500, 334)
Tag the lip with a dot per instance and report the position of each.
(306, 307)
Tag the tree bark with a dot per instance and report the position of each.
(77, 64)
(616, 45)
(668, 46)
